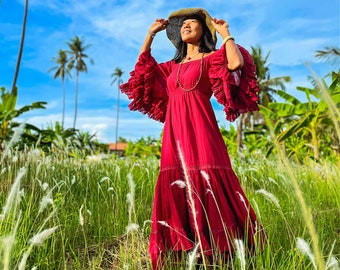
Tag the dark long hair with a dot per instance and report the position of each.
(207, 44)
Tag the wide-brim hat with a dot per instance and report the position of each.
(175, 19)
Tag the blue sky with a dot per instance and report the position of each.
(292, 31)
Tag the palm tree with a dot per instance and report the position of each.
(268, 90)
(77, 62)
(21, 48)
(117, 75)
(330, 54)
(61, 71)
(268, 86)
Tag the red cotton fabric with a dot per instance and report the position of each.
(198, 198)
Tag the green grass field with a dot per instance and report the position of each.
(64, 213)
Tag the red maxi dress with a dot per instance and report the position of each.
(198, 198)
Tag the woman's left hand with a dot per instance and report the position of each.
(221, 26)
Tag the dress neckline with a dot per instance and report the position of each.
(197, 60)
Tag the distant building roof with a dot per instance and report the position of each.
(121, 146)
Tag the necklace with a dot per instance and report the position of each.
(190, 57)
(198, 80)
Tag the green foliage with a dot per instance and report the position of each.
(305, 129)
(308, 120)
(230, 137)
(59, 141)
(8, 113)
(144, 148)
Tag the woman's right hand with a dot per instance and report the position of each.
(158, 25)
(155, 27)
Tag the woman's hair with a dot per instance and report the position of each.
(207, 43)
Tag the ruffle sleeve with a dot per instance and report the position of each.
(237, 90)
(146, 88)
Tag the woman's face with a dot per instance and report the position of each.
(191, 31)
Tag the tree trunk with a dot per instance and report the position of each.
(76, 102)
(64, 101)
(315, 142)
(117, 117)
(239, 134)
(21, 48)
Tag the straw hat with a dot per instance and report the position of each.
(173, 30)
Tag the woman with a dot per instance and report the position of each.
(198, 199)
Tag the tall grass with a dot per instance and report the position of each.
(86, 200)
(99, 211)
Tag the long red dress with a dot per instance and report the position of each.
(198, 198)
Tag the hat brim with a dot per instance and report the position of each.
(175, 19)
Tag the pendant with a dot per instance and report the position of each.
(191, 57)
